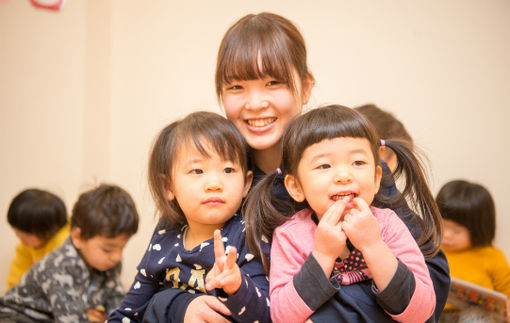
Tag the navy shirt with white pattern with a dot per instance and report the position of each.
(167, 264)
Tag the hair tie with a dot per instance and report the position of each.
(279, 171)
(383, 142)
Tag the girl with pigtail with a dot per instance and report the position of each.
(337, 238)
(263, 82)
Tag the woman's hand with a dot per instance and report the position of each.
(225, 273)
(206, 308)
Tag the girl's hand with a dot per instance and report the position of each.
(330, 239)
(225, 273)
(96, 315)
(206, 308)
(361, 226)
(508, 310)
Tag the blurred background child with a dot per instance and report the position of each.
(79, 281)
(469, 219)
(387, 127)
(39, 220)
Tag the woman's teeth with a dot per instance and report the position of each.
(260, 122)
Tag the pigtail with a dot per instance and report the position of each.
(263, 211)
(417, 193)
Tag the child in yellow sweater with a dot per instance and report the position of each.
(469, 220)
(39, 220)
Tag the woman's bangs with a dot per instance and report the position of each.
(252, 62)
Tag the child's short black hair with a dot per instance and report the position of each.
(470, 205)
(385, 123)
(107, 211)
(37, 212)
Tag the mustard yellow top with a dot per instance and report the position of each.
(26, 256)
(485, 266)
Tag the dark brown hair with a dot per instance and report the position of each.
(268, 38)
(470, 205)
(107, 210)
(37, 212)
(263, 210)
(200, 129)
(385, 123)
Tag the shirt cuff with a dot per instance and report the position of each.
(397, 295)
(312, 285)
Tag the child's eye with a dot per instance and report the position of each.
(107, 250)
(273, 83)
(196, 171)
(323, 166)
(229, 170)
(359, 163)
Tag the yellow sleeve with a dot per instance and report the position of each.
(26, 256)
(501, 273)
(20, 264)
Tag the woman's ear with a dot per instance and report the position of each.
(247, 182)
(167, 186)
(293, 187)
(76, 237)
(307, 88)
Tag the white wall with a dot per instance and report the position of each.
(84, 91)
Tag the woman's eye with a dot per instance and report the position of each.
(228, 170)
(234, 87)
(196, 171)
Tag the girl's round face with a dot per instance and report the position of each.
(332, 169)
(456, 237)
(262, 109)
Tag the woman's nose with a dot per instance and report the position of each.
(256, 100)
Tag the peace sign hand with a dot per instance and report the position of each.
(225, 273)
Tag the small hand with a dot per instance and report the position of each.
(225, 273)
(96, 315)
(361, 226)
(330, 238)
(508, 310)
(206, 308)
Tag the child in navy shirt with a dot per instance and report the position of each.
(198, 175)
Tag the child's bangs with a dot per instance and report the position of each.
(325, 123)
(207, 143)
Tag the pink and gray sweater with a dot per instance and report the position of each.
(298, 286)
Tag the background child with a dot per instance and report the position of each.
(263, 82)
(39, 220)
(387, 127)
(80, 280)
(330, 158)
(198, 175)
(469, 217)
